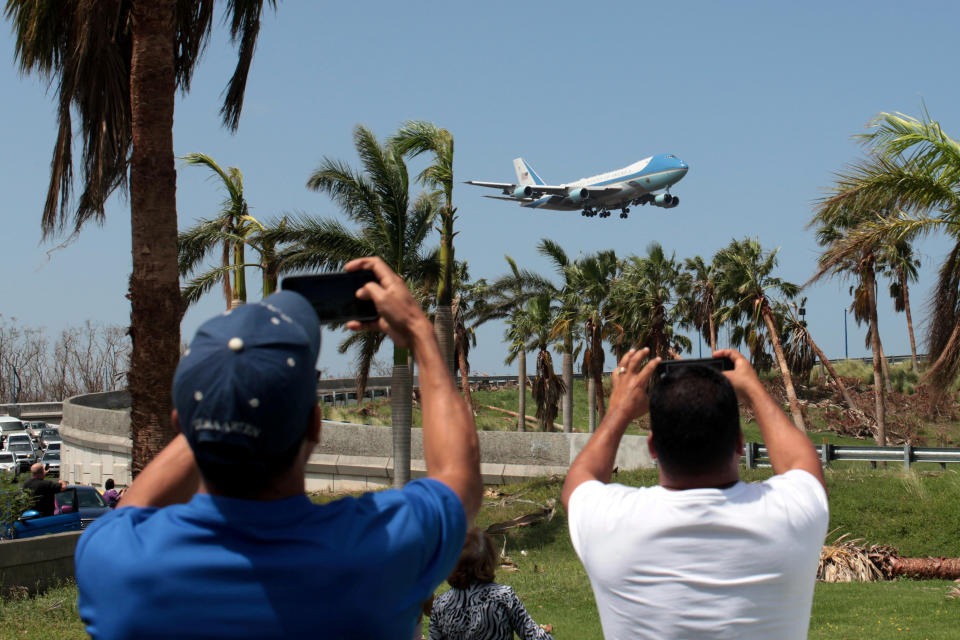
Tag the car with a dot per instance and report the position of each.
(25, 453)
(9, 424)
(19, 437)
(53, 446)
(67, 518)
(51, 462)
(49, 435)
(92, 504)
(9, 465)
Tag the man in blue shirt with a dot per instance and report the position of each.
(216, 539)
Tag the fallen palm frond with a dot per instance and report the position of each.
(545, 514)
(846, 560)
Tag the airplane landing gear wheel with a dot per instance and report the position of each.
(623, 216)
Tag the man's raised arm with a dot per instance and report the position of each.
(628, 400)
(450, 446)
(787, 446)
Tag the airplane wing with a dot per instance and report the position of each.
(509, 199)
(536, 190)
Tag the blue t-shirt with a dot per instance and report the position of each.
(227, 568)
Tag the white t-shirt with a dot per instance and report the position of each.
(702, 563)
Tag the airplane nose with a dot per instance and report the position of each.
(683, 165)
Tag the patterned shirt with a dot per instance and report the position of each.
(484, 611)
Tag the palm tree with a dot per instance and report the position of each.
(506, 298)
(643, 303)
(910, 184)
(392, 227)
(839, 258)
(592, 276)
(567, 322)
(118, 67)
(547, 387)
(903, 266)
(235, 223)
(747, 282)
(195, 243)
(414, 138)
(698, 288)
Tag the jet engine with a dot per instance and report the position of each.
(665, 200)
(578, 195)
(523, 191)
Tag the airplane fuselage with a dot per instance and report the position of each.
(634, 181)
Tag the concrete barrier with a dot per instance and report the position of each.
(37, 563)
(350, 457)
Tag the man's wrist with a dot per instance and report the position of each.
(617, 418)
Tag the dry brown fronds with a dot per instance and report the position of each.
(848, 560)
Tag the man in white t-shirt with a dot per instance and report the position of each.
(703, 554)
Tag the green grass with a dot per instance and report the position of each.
(915, 512)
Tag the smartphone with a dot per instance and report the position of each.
(333, 295)
(666, 366)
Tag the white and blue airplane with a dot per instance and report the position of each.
(635, 184)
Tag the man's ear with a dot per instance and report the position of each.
(175, 419)
(652, 449)
(740, 444)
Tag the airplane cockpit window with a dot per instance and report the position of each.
(670, 155)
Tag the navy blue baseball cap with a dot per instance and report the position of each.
(247, 385)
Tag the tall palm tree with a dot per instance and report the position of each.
(747, 282)
(698, 288)
(117, 66)
(903, 267)
(912, 177)
(235, 223)
(412, 139)
(592, 277)
(506, 298)
(834, 225)
(643, 302)
(567, 322)
(547, 387)
(195, 244)
(389, 225)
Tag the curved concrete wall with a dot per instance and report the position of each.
(350, 457)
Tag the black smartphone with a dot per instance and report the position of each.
(333, 295)
(666, 366)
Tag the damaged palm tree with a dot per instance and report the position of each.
(848, 560)
(548, 388)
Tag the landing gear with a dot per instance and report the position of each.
(624, 212)
(589, 213)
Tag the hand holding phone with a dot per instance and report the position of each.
(666, 366)
(334, 295)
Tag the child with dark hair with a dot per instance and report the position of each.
(111, 495)
(477, 608)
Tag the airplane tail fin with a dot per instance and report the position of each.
(525, 173)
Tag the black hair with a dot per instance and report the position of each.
(109, 484)
(695, 421)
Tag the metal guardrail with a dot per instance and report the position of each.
(756, 454)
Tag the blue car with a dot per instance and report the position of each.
(67, 517)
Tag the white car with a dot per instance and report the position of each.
(9, 464)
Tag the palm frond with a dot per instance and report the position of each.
(244, 16)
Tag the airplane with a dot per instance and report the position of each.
(597, 195)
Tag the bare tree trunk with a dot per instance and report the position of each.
(906, 308)
(155, 303)
(592, 403)
(568, 383)
(878, 395)
(713, 335)
(885, 367)
(401, 416)
(596, 368)
(465, 379)
(784, 370)
(935, 568)
(833, 373)
(443, 329)
(522, 389)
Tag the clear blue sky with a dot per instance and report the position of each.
(760, 98)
